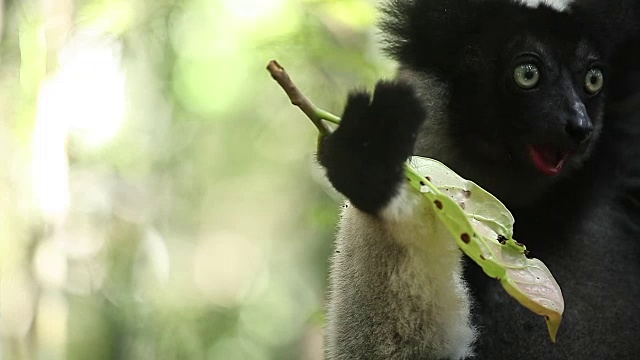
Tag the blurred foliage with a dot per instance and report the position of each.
(158, 196)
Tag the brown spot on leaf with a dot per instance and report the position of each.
(422, 183)
(482, 257)
(428, 178)
(463, 205)
(438, 204)
(502, 240)
(466, 193)
(465, 238)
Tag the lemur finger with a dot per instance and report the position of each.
(354, 111)
(398, 109)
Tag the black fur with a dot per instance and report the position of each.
(364, 157)
(585, 224)
(587, 232)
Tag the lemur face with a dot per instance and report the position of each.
(527, 101)
(553, 103)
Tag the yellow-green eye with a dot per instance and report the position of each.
(593, 81)
(526, 76)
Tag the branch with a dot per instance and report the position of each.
(316, 115)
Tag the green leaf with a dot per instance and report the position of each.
(483, 228)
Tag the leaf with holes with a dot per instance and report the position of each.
(483, 229)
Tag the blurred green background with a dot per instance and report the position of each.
(159, 197)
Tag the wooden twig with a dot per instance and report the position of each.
(279, 74)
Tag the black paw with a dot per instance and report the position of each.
(364, 157)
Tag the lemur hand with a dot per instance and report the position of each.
(364, 157)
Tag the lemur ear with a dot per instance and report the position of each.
(428, 33)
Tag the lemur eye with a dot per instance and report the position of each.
(526, 76)
(593, 81)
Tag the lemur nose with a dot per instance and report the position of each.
(579, 126)
(579, 130)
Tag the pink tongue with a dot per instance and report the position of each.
(547, 160)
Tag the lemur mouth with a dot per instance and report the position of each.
(547, 159)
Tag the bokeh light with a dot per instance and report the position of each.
(160, 197)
